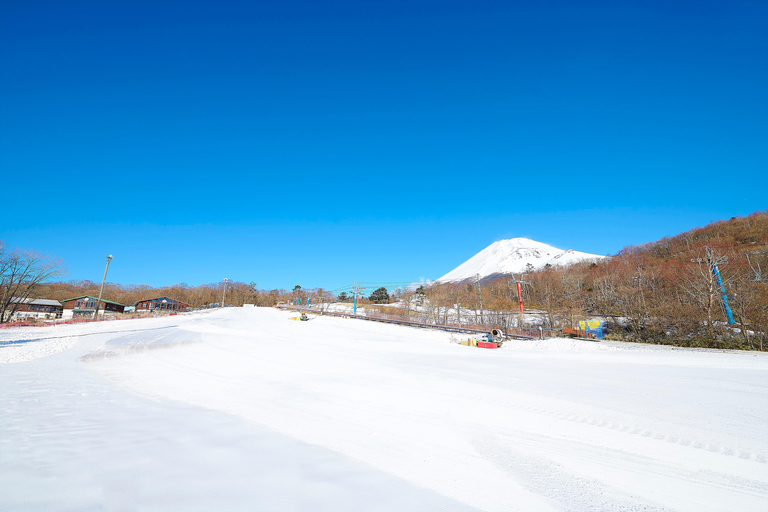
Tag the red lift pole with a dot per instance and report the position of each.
(520, 297)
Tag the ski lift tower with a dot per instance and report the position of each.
(357, 287)
(479, 294)
(712, 261)
(519, 283)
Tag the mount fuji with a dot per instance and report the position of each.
(513, 256)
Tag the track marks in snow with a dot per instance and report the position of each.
(567, 491)
(586, 476)
(632, 425)
(139, 342)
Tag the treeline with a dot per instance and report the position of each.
(664, 292)
(237, 293)
(28, 274)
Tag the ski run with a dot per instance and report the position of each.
(243, 409)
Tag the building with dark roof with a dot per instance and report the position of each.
(35, 308)
(160, 305)
(85, 305)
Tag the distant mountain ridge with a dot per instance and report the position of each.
(512, 256)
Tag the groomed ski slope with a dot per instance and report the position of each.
(244, 409)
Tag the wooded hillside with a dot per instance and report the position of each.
(660, 292)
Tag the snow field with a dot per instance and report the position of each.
(72, 441)
(540, 425)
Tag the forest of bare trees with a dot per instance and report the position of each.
(237, 293)
(663, 292)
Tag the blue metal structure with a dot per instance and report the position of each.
(728, 312)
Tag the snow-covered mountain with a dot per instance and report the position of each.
(512, 256)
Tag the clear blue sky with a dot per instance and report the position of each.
(320, 143)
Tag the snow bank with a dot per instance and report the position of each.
(28, 343)
(557, 344)
(15, 351)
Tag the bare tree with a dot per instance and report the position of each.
(757, 271)
(21, 272)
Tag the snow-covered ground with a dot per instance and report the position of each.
(244, 409)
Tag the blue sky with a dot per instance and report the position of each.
(320, 143)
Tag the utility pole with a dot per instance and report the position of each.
(98, 303)
(225, 291)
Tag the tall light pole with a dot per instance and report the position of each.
(225, 291)
(101, 290)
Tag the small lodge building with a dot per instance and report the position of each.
(35, 308)
(85, 305)
(161, 305)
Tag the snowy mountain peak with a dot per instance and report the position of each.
(513, 255)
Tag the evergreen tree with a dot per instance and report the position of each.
(379, 296)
